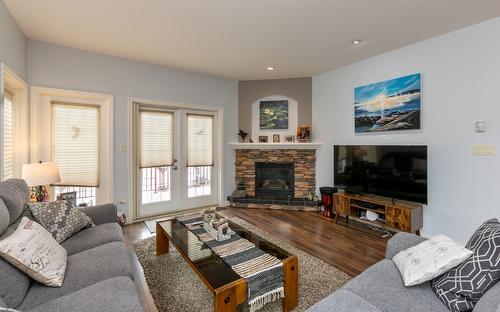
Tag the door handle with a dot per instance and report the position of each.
(174, 167)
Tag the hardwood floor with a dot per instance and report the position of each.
(351, 247)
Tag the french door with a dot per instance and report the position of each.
(176, 163)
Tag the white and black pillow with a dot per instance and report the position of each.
(61, 218)
(461, 288)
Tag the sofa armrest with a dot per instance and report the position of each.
(401, 241)
(101, 214)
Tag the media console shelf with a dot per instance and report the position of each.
(394, 216)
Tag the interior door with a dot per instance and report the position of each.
(157, 141)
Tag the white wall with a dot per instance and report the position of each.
(12, 43)
(60, 67)
(460, 83)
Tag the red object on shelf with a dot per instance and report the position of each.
(327, 200)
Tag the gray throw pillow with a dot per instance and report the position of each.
(61, 218)
(462, 287)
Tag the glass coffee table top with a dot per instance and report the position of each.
(206, 262)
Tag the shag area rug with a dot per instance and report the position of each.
(175, 287)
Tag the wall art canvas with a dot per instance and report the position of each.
(273, 114)
(389, 105)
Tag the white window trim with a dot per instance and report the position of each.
(132, 157)
(19, 88)
(40, 130)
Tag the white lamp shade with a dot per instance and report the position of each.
(41, 173)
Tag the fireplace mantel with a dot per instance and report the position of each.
(275, 146)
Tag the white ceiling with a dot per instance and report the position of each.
(239, 38)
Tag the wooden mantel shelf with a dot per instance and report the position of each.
(269, 146)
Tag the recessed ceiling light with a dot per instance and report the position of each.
(271, 68)
(357, 41)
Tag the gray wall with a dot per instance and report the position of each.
(299, 89)
(60, 67)
(460, 78)
(12, 43)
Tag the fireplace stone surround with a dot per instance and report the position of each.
(303, 161)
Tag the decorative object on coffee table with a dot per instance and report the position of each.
(39, 174)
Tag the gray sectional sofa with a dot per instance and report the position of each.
(99, 272)
(381, 289)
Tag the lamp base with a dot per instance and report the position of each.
(39, 193)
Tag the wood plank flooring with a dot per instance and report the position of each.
(351, 247)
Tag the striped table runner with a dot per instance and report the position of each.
(262, 271)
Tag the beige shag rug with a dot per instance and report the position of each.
(175, 287)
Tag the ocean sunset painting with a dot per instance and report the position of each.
(389, 105)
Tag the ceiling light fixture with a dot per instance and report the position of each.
(271, 68)
(356, 41)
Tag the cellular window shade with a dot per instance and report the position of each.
(156, 139)
(75, 143)
(200, 140)
(8, 137)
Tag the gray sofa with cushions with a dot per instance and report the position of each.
(380, 289)
(99, 273)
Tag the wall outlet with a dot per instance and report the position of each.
(483, 149)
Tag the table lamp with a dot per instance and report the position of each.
(38, 175)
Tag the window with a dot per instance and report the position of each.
(14, 136)
(75, 149)
(200, 154)
(8, 136)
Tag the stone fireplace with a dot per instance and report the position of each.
(285, 163)
(274, 180)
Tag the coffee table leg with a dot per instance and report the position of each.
(225, 300)
(291, 283)
(162, 242)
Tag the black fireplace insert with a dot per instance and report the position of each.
(274, 180)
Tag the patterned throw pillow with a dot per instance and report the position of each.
(461, 288)
(32, 250)
(61, 218)
(429, 259)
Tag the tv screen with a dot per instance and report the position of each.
(393, 171)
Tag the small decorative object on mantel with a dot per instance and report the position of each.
(304, 134)
(242, 134)
(250, 141)
(290, 138)
(276, 138)
(263, 138)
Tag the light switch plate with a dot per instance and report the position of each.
(484, 149)
(123, 148)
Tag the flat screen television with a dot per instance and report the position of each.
(394, 171)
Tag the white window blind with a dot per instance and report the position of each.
(8, 136)
(156, 138)
(200, 140)
(75, 143)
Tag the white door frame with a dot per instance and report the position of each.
(132, 157)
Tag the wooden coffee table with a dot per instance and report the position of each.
(229, 288)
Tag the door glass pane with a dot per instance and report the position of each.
(199, 181)
(156, 184)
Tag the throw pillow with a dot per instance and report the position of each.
(61, 218)
(461, 288)
(429, 259)
(35, 252)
